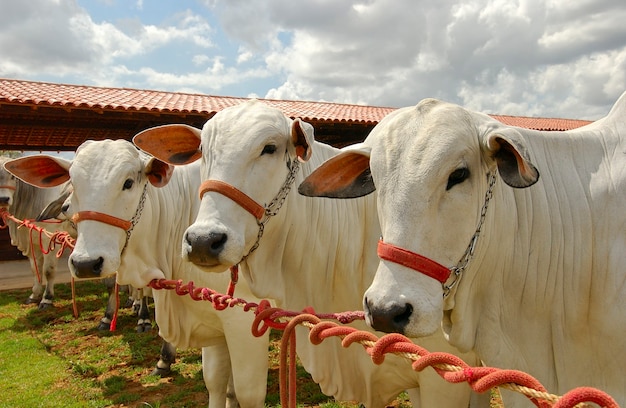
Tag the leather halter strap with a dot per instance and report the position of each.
(8, 187)
(234, 194)
(419, 263)
(105, 218)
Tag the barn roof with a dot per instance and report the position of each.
(51, 116)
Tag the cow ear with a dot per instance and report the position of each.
(55, 208)
(346, 175)
(40, 170)
(302, 139)
(173, 144)
(508, 149)
(159, 172)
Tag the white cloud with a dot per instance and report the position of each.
(63, 38)
(244, 56)
(200, 59)
(521, 57)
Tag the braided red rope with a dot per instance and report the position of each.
(58, 238)
(448, 366)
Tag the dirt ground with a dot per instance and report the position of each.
(17, 274)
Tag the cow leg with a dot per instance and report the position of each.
(129, 300)
(144, 324)
(49, 270)
(168, 357)
(137, 299)
(217, 374)
(105, 322)
(37, 292)
(249, 362)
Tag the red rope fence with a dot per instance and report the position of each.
(59, 238)
(450, 367)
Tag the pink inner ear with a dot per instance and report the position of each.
(337, 174)
(160, 173)
(300, 152)
(299, 139)
(174, 144)
(39, 171)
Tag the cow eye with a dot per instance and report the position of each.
(128, 184)
(268, 149)
(457, 176)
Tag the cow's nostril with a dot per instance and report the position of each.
(402, 319)
(218, 242)
(205, 248)
(390, 319)
(88, 268)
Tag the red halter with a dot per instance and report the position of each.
(234, 194)
(414, 261)
(8, 187)
(105, 218)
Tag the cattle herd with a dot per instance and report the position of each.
(500, 245)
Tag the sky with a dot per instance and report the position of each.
(547, 58)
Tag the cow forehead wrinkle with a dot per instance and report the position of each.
(90, 162)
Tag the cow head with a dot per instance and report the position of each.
(251, 148)
(430, 166)
(60, 208)
(108, 178)
(7, 185)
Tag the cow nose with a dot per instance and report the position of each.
(4, 200)
(87, 268)
(204, 249)
(390, 319)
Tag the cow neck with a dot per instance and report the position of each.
(126, 225)
(430, 268)
(262, 214)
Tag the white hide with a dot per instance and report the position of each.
(315, 252)
(100, 173)
(546, 290)
(25, 203)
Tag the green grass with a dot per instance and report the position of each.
(50, 359)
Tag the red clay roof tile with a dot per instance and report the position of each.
(91, 97)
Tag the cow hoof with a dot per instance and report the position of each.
(45, 305)
(162, 372)
(104, 326)
(144, 327)
(31, 301)
(129, 303)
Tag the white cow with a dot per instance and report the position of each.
(312, 253)
(25, 202)
(545, 289)
(149, 205)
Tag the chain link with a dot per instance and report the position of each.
(457, 271)
(135, 219)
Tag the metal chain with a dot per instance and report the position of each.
(277, 202)
(135, 219)
(460, 267)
